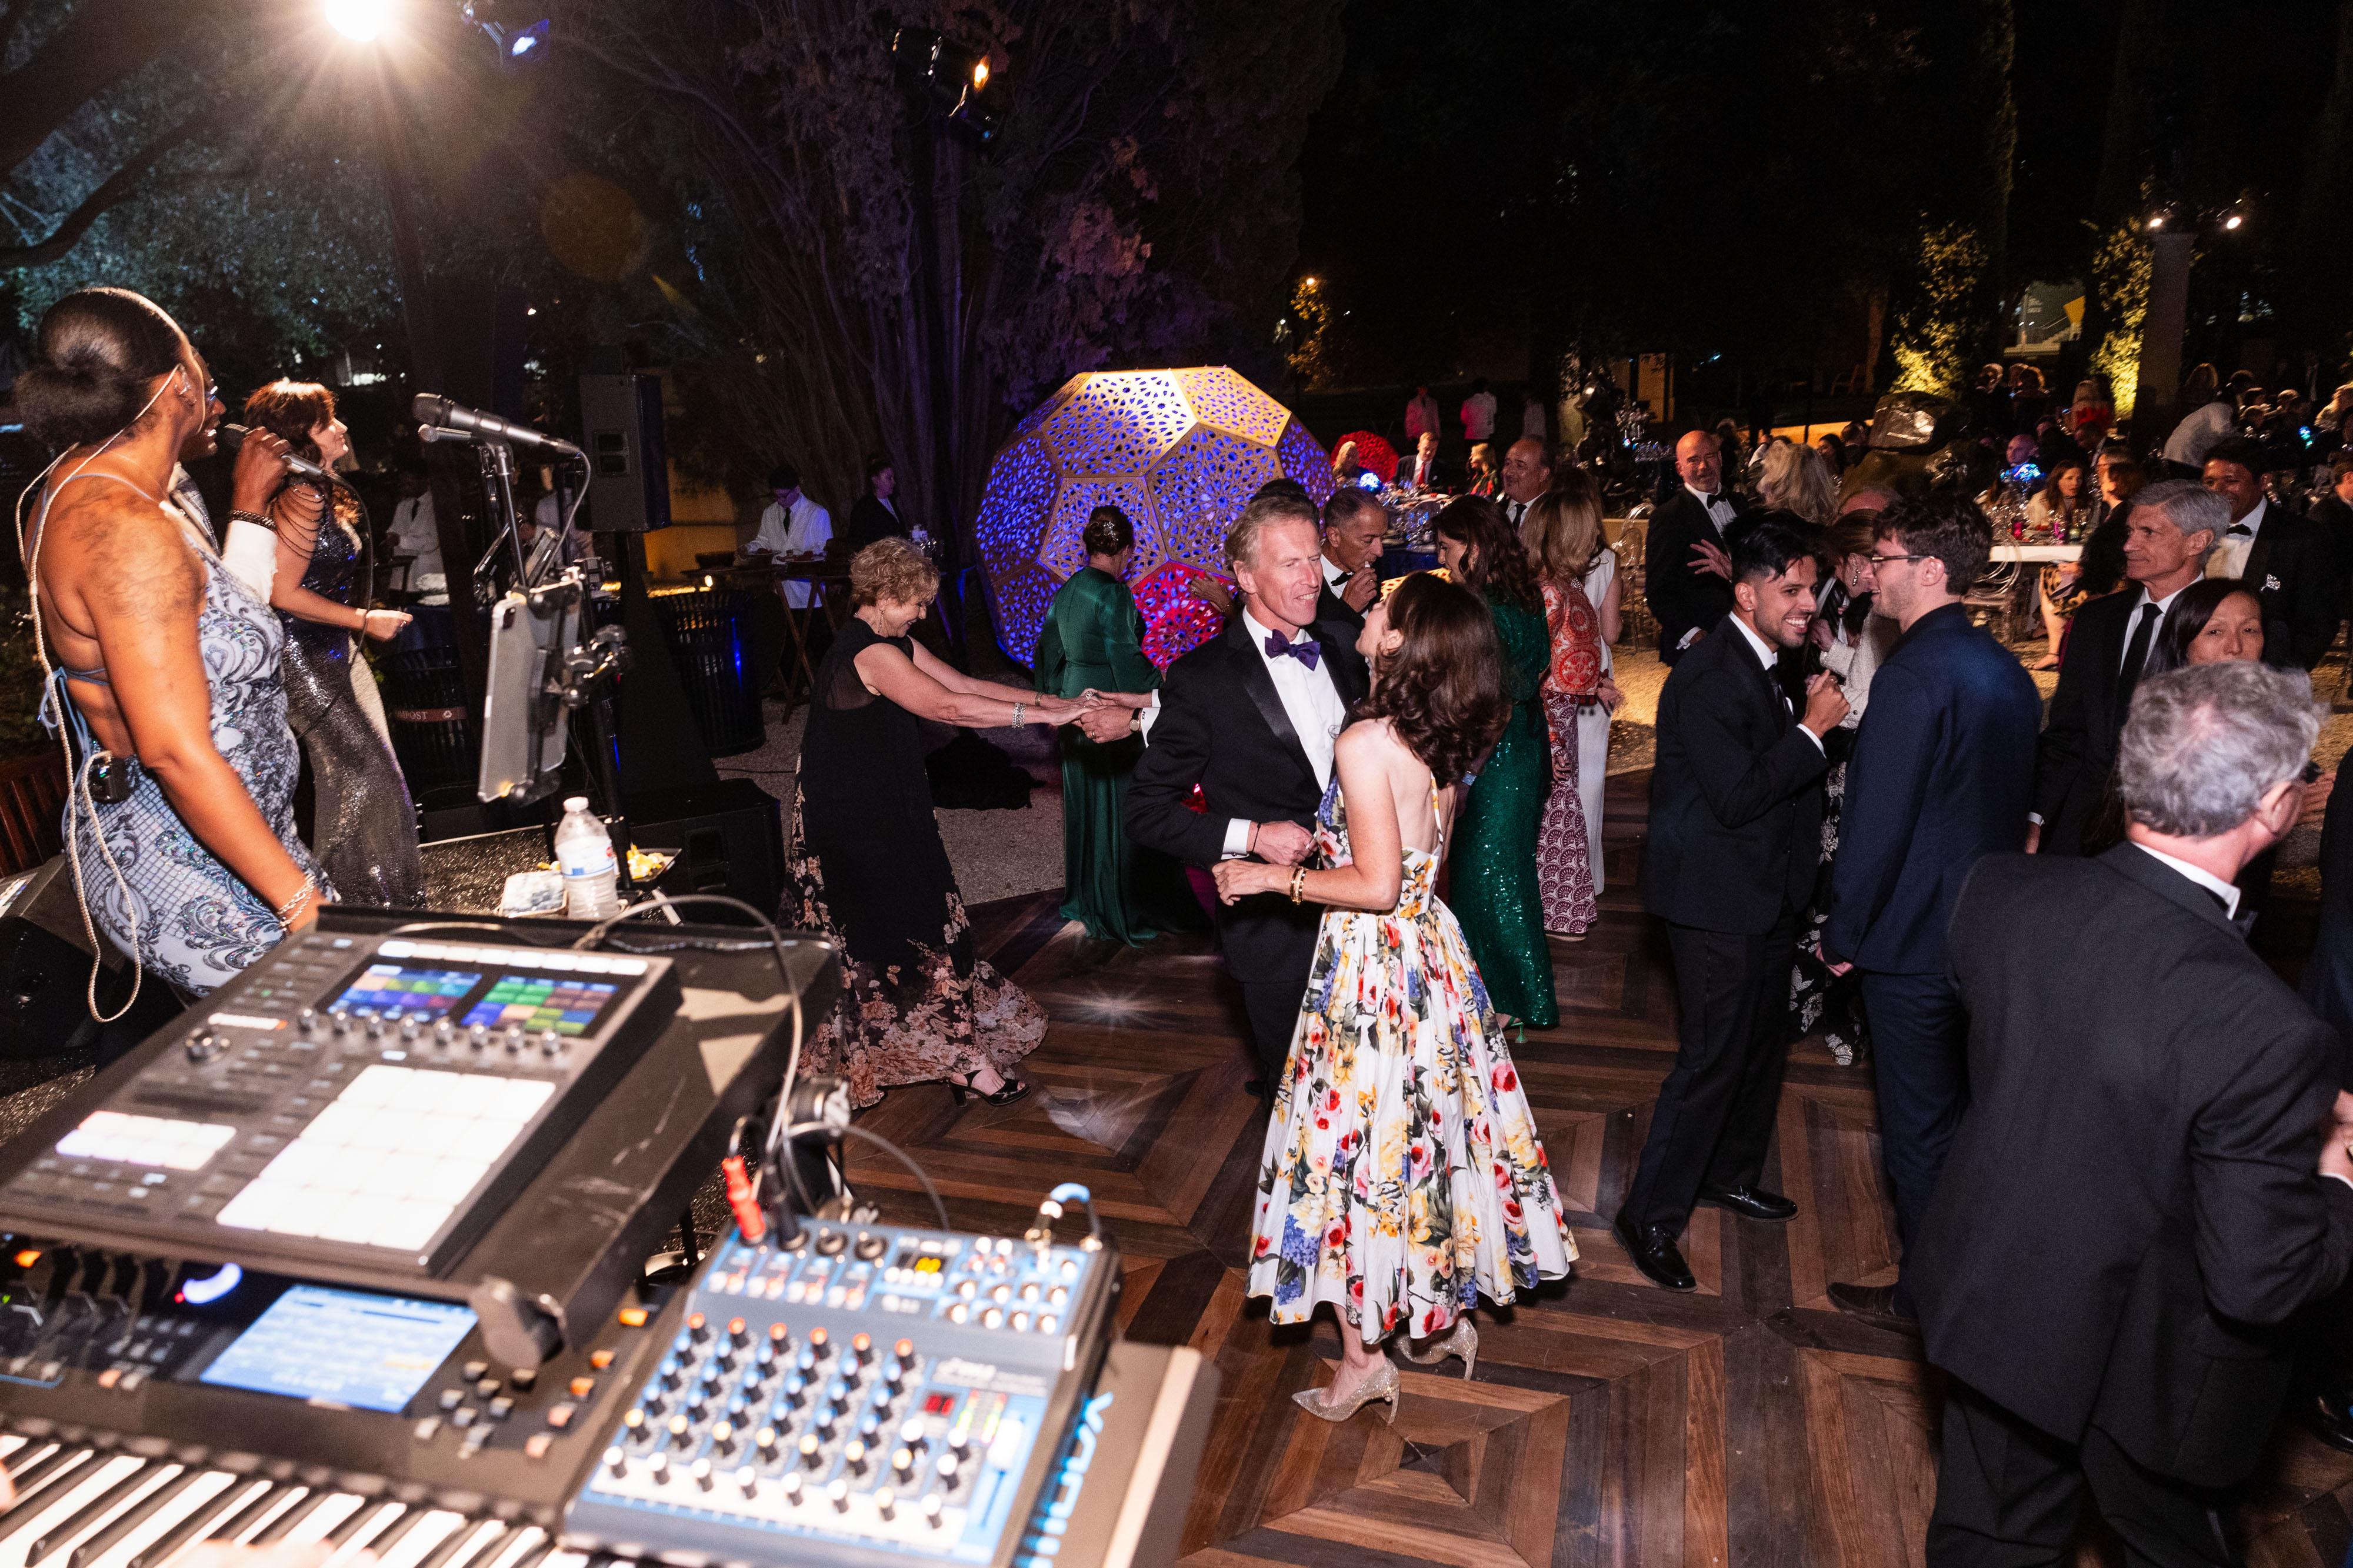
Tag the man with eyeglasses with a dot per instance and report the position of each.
(1937, 779)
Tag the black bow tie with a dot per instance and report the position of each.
(2239, 528)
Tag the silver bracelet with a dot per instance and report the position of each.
(310, 885)
(1017, 708)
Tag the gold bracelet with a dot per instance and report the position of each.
(1298, 881)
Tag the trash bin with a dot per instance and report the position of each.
(713, 641)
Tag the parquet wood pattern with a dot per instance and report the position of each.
(1609, 1423)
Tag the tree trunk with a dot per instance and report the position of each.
(2318, 312)
(1997, 52)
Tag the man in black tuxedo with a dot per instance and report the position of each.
(2151, 1179)
(875, 514)
(1527, 474)
(1687, 576)
(1355, 527)
(2285, 558)
(1736, 830)
(2332, 514)
(2172, 528)
(1251, 716)
(1942, 764)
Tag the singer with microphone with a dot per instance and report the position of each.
(364, 824)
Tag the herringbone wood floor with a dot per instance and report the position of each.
(1610, 1422)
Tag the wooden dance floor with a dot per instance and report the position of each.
(1610, 1422)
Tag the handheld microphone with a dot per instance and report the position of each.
(233, 436)
(431, 409)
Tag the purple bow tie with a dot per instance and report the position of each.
(1306, 650)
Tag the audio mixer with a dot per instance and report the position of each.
(368, 1101)
(856, 1396)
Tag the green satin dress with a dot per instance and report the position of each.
(1494, 896)
(1093, 636)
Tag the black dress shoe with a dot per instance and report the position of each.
(1875, 1303)
(1653, 1250)
(2328, 1417)
(1750, 1203)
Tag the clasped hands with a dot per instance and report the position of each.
(1279, 846)
(1106, 716)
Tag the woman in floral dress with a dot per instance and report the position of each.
(1402, 1176)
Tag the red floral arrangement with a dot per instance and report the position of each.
(1373, 455)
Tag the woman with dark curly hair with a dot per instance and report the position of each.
(1495, 891)
(1402, 1175)
(364, 824)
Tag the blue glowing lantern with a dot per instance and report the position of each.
(1180, 451)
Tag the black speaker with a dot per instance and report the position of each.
(45, 965)
(730, 837)
(621, 420)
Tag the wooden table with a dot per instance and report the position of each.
(829, 578)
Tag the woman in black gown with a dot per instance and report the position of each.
(364, 823)
(867, 870)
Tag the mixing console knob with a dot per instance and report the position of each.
(656, 1467)
(883, 1394)
(807, 1362)
(779, 1336)
(766, 1361)
(698, 1401)
(959, 1443)
(966, 1289)
(764, 1441)
(341, 1019)
(1049, 1323)
(905, 1351)
(861, 1345)
(617, 1461)
(854, 1457)
(408, 1029)
(204, 1046)
(870, 1429)
(550, 1042)
(478, 1036)
(1057, 1295)
(739, 1332)
(307, 1020)
(1070, 1269)
(812, 1449)
(817, 1339)
(697, 1327)
(959, 1313)
(885, 1501)
(722, 1437)
(1030, 1291)
(635, 1421)
(374, 1026)
(747, 1481)
(444, 1031)
(515, 1038)
(1001, 1294)
(791, 1487)
(838, 1391)
(791, 1392)
(933, 1508)
(948, 1467)
(903, 1463)
(911, 1433)
(837, 1492)
(681, 1432)
(992, 1318)
(703, 1474)
(1020, 1322)
(669, 1373)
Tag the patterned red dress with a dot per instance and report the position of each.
(1564, 860)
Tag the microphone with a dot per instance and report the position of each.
(233, 436)
(433, 410)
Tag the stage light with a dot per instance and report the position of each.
(2155, 222)
(359, 20)
(2233, 219)
(980, 74)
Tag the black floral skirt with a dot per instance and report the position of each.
(1820, 1002)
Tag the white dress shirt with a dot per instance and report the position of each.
(805, 530)
(2164, 607)
(1479, 417)
(1718, 508)
(414, 533)
(2230, 557)
(1336, 576)
(1313, 705)
(1769, 657)
(2200, 875)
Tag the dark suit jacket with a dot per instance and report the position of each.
(2327, 987)
(2079, 744)
(869, 520)
(2130, 1211)
(2291, 571)
(2334, 521)
(1222, 726)
(1681, 598)
(1735, 797)
(1942, 764)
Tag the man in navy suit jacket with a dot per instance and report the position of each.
(1943, 763)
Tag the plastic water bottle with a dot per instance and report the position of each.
(583, 849)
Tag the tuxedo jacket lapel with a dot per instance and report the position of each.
(1252, 670)
(2259, 555)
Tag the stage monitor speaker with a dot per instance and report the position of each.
(730, 838)
(45, 964)
(621, 424)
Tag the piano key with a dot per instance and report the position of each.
(100, 1509)
(418, 1543)
(565, 1558)
(193, 1495)
(371, 1512)
(519, 1543)
(46, 1472)
(391, 1536)
(219, 1505)
(105, 1539)
(332, 1509)
(74, 1491)
(459, 1547)
(10, 1442)
(239, 1526)
(35, 1450)
(278, 1529)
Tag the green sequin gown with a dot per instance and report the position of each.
(1494, 896)
(1093, 636)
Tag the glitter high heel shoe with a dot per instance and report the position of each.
(1382, 1385)
(1463, 1342)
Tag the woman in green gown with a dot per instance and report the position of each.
(1494, 895)
(1093, 640)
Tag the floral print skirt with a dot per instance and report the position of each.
(1402, 1176)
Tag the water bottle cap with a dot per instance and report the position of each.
(576, 803)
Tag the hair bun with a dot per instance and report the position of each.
(73, 405)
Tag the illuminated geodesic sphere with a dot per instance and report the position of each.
(1180, 451)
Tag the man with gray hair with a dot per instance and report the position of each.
(2151, 1179)
(2168, 535)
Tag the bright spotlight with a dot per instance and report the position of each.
(980, 73)
(359, 20)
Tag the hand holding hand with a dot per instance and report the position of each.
(1362, 589)
(1282, 843)
(1241, 878)
(1712, 559)
(1826, 704)
(1103, 725)
(1056, 710)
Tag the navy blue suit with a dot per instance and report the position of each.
(1943, 764)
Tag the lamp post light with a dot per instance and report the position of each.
(2173, 227)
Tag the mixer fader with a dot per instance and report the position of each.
(885, 1392)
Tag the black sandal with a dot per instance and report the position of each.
(1014, 1088)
